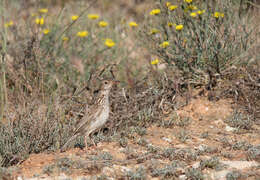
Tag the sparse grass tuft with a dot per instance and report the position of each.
(254, 153)
(205, 135)
(140, 131)
(142, 142)
(240, 121)
(167, 172)
(194, 174)
(234, 175)
(176, 120)
(241, 145)
(65, 165)
(139, 174)
(123, 142)
(212, 163)
(170, 153)
(183, 135)
(30, 135)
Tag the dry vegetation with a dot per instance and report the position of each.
(188, 94)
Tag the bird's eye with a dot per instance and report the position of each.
(105, 82)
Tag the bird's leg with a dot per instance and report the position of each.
(93, 142)
(86, 142)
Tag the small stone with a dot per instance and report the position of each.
(240, 164)
(167, 139)
(202, 147)
(108, 171)
(182, 177)
(221, 175)
(229, 129)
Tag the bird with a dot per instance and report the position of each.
(96, 116)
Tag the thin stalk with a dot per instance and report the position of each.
(3, 90)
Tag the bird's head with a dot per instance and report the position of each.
(108, 84)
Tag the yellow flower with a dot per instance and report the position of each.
(65, 38)
(102, 24)
(154, 31)
(82, 33)
(39, 21)
(155, 61)
(46, 31)
(179, 27)
(188, 1)
(8, 24)
(109, 43)
(167, 3)
(43, 10)
(172, 7)
(11, 23)
(193, 14)
(93, 16)
(133, 24)
(170, 24)
(155, 12)
(218, 15)
(74, 17)
(191, 7)
(199, 12)
(164, 44)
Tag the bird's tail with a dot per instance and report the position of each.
(63, 148)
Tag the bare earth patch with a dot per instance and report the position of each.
(204, 145)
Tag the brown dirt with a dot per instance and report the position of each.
(206, 116)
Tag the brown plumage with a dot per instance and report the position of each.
(96, 116)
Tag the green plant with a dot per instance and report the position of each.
(212, 163)
(139, 174)
(169, 171)
(183, 136)
(233, 175)
(197, 39)
(194, 174)
(240, 121)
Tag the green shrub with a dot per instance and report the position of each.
(197, 39)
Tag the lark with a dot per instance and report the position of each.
(96, 116)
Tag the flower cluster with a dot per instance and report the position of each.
(155, 12)
(109, 43)
(164, 44)
(218, 15)
(155, 61)
(82, 33)
(93, 16)
(133, 24)
(8, 24)
(46, 31)
(102, 24)
(74, 17)
(39, 21)
(43, 10)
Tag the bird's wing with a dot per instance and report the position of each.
(86, 121)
